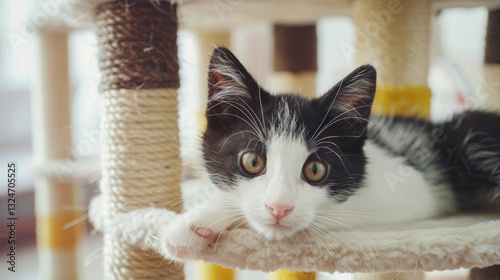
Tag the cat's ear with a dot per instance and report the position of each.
(351, 99)
(227, 78)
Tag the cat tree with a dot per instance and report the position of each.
(141, 164)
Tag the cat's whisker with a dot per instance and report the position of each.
(344, 213)
(256, 132)
(335, 153)
(93, 256)
(234, 134)
(363, 240)
(234, 225)
(248, 113)
(316, 238)
(177, 200)
(328, 111)
(304, 232)
(334, 121)
(335, 224)
(319, 234)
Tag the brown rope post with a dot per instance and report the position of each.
(295, 59)
(140, 144)
(491, 71)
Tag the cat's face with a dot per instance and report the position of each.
(286, 159)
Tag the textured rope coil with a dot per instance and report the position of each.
(140, 159)
(138, 44)
(395, 38)
(141, 167)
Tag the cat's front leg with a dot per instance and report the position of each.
(192, 233)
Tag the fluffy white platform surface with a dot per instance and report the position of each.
(447, 243)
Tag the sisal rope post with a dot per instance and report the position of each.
(394, 37)
(491, 68)
(295, 67)
(57, 241)
(140, 159)
(295, 59)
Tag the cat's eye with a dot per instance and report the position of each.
(314, 171)
(252, 162)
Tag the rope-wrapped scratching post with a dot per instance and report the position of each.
(394, 36)
(491, 71)
(140, 145)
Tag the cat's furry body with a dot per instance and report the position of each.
(378, 170)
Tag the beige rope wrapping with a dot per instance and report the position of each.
(394, 35)
(141, 167)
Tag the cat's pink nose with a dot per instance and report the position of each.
(279, 211)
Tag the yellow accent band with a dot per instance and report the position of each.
(292, 275)
(205, 271)
(414, 101)
(51, 232)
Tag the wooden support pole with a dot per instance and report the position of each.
(57, 241)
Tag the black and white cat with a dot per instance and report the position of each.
(285, 164)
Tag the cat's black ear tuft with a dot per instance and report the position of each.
(226, 75)
(231, 89)
(351, 99)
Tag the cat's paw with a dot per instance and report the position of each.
(187, 236)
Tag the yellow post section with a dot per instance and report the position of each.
(292, 275)
(51, 232)
(403, 101)
(206, 271)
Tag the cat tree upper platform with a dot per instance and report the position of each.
(226, 14)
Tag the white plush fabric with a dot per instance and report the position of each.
(448, 243)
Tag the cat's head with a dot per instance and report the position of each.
(285, 158)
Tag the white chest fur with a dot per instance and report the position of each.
(395, 191)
